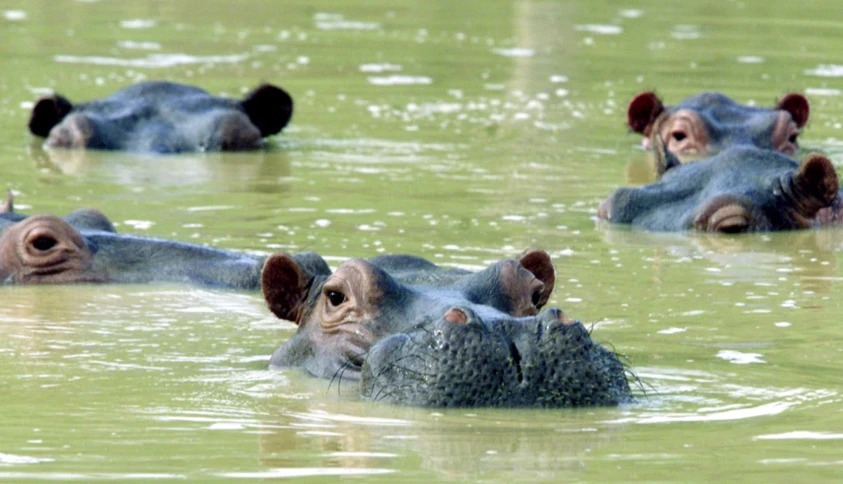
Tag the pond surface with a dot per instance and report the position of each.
(463, 132)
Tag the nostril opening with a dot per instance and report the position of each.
(44, 243)
(456, 316)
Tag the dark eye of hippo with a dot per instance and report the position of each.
(335, 297)
(44, 243)
(45, 249)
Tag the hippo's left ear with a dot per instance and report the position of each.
(798, 107)
(269, 108)
(285, 285)
(643, 111)
(48, 112)
(538, 262)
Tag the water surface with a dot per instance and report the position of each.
(463, 132)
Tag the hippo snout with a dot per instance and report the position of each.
(461, 360)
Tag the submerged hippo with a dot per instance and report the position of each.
(163, 117)
(741, 189)
(83, 247)
(411, 332)
(710, 122)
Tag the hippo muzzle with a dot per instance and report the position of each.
(461, 360)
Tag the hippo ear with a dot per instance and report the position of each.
(89, 219)
(817, 178)
(643, 111)
(269, 107)
(48, 112)
(9, 205)
(538, 262)
(798, 107)
(285, 283)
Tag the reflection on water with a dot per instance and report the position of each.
(459, 131)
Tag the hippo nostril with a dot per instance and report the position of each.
(44, 243)
(456, 316)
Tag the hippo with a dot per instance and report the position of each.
(84, 247)
(163, 117)
(740, 189)
(407, 331)
(709, 122)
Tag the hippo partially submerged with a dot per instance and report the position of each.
(707, 123)
(411, 332)
(741, 189)
(84, 247)
(163, 117)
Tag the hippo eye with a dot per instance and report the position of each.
(678, 135)
(335, 298)
(44, 243)
(536, 297)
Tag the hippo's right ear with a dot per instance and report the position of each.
(269, 108)
(643, 111)
(798, 107)
(285, 284)
(538, 262)
(48, 112)
(817, 178)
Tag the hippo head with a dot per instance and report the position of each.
(740, 189)
(709, 122)
(84, 247)
(162, 117)
(427, 336)
(45, 249)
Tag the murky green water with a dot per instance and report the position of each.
(460, 131)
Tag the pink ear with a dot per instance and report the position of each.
(538, 262)
(643, 111)
(798, 107)
(284, 285)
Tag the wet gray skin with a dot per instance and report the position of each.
(410, 332)
(83, 247)
(163, 117)
(710, 122)
(738, 190)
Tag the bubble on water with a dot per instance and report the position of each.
(11, 459)
(601, 29)
(672, 330)
(140, 224)
(515, 52)
(382, 67)
(399, 80)
(782, 324)
(152, 60)
(558, 79)
(137, 23)
(631, 12)
(750, 59)
(740, 358)
(14, 15)
(131, 44)
(686, 32)
(826, 70)
(819, 91)
(322, 223)
(336, 21)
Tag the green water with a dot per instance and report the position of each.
(503, 131)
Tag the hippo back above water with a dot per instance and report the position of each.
(163, 117)
(709, 122)
(410, 332)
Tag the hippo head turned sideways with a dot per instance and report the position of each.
(411, 332)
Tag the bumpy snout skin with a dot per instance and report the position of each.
(525, 362)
